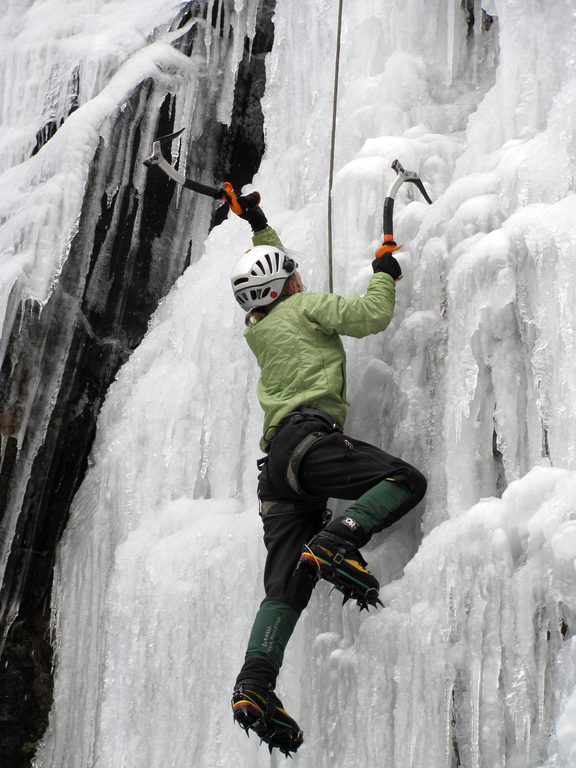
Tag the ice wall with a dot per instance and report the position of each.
(89, 243)
(52, 78)
(472, 662)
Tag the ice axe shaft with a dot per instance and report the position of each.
(225, 192)
(402, 176)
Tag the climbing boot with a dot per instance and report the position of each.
(334, 558)
(258, 709)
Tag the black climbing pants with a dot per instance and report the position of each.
(293, 502)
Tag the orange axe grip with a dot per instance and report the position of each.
(386, 248)
(231, 198)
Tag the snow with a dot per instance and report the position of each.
(159, 570)
(86, 90)
(89, 58)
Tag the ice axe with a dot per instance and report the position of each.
(389, 244)
(225, 192)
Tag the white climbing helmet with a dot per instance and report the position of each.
(259, 276)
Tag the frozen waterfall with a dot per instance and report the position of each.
(472, 662)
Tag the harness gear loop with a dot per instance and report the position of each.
(296, 459)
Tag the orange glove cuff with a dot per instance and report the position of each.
(385, 248)
(230, 197)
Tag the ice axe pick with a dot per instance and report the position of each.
(389, 244)
(225, 192)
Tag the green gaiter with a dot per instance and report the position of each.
(271, 631)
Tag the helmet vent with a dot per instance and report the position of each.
(260, 267)
(259, 293)
(240, 280)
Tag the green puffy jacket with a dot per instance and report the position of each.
(298, 348)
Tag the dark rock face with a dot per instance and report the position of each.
(60, 362)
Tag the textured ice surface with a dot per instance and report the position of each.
(72, 66)
(472, 662)
(83, 89)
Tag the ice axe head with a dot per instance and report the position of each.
(157, 145)
(402, 175)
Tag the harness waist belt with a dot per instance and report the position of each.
(316, 413)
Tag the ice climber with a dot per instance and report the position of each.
(295, 337)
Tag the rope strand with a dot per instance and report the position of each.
(332, 146)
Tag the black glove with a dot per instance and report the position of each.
(389, 265)
(254, 216)
(251, 211)
(246, 202)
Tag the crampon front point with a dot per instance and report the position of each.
(260, 710)
(342, 567)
